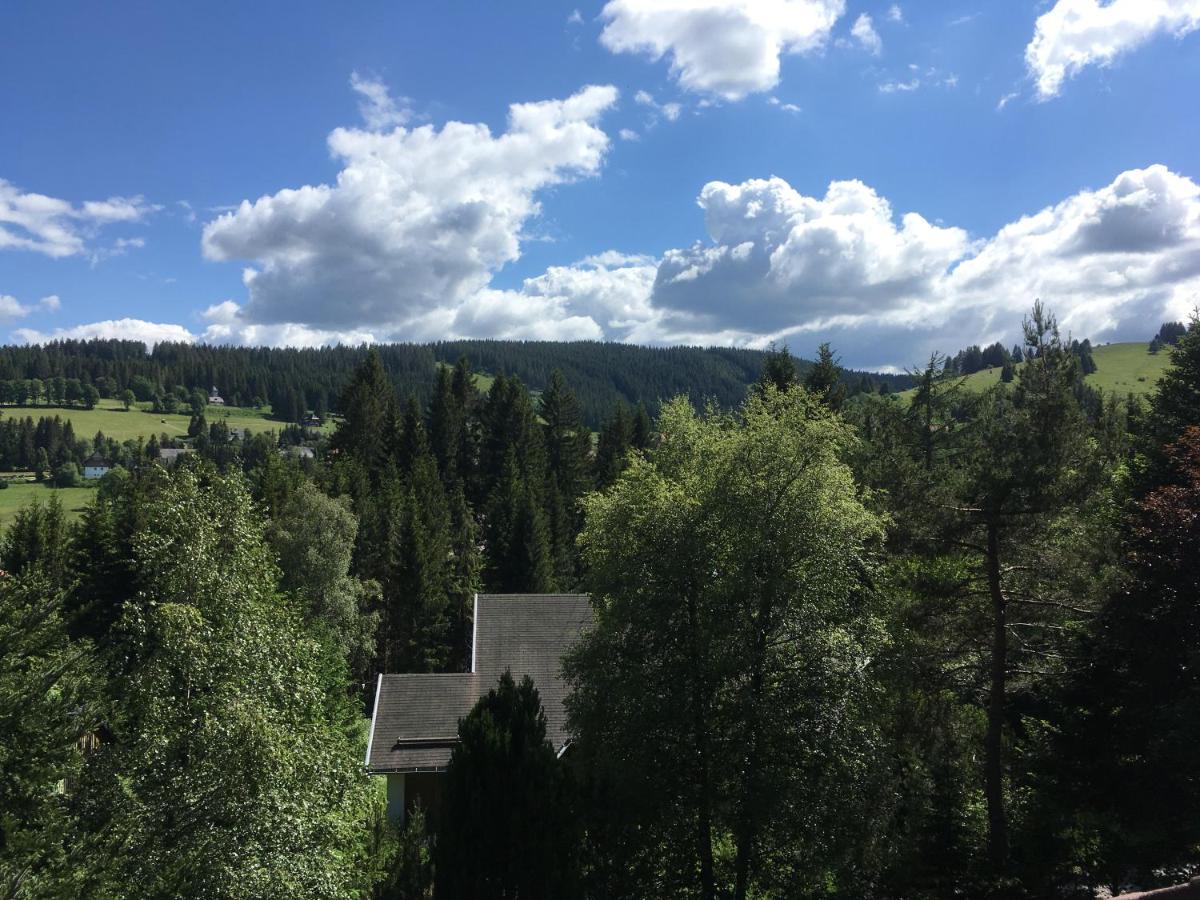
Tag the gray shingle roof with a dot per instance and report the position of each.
(415, 725)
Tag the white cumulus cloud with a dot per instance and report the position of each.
(864, 32)
(416, 223)
(1075, 34)
(11, 308)
(150, 333)
(1111, 262)
(58, 228)
(730, 48)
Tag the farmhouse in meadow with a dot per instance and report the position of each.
(96, 466)
(415, 724)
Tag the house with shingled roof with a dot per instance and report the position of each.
(414, 726)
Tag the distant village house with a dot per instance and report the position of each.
(168, 456)
(214, 398)
(96, 466)
(414, 727)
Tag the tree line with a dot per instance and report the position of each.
(295, 381)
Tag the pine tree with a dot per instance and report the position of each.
(643, 428)
(518, 551)
(446, 423)
(568, 456)
(411, 556)
(779, 370)
(824, 379)
(413, 442)
(612, 449)
(367, 431)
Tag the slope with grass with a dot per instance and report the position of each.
(112, 418)
(1128, 368)
(22, 490)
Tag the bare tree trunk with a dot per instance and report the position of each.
(994, 740)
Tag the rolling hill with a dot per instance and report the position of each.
(1128, 368)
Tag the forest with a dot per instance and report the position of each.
(848, 644)
(295, 381)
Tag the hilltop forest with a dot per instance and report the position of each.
(848, 644)
(294, 381)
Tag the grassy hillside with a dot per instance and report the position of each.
(22, 493)
(1121, 368)
(112, 418)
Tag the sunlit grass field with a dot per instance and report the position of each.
(1120, 368)
(111, 417)
(22, 492)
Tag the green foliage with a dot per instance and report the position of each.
(723, 697)
(66, 475)
(824, 379)
(233, 772)
(408, 860)
(779, 370)
(48, 704)
(313, 537)
(37, 542)
(508, 828)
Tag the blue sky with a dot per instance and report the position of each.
(894, 178)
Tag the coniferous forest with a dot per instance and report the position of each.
(847, 643)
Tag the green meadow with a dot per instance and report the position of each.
(1121, 368)
(24, 491)
(116, 422)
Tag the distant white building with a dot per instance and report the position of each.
(214, 398)
(96, 466)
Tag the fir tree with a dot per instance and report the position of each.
(824, 379)
(612, 449)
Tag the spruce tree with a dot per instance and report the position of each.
(568, 457)
(366, 433)
(779, 370)
(612, 449)
(516, 538)
(824, 379)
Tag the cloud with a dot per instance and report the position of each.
(729, 48)
(1111, 262)
(786, 107)
(575, 18)
(377, 107)
(1075, 34)
(669, 111)
(780, 258)
(1007, 99)
(628, 134)
(864, 32)
(11, 308)
(895, 13)
(416, 223)
(931, 77)
(885, 288)
(150, 333)
(58, 228)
